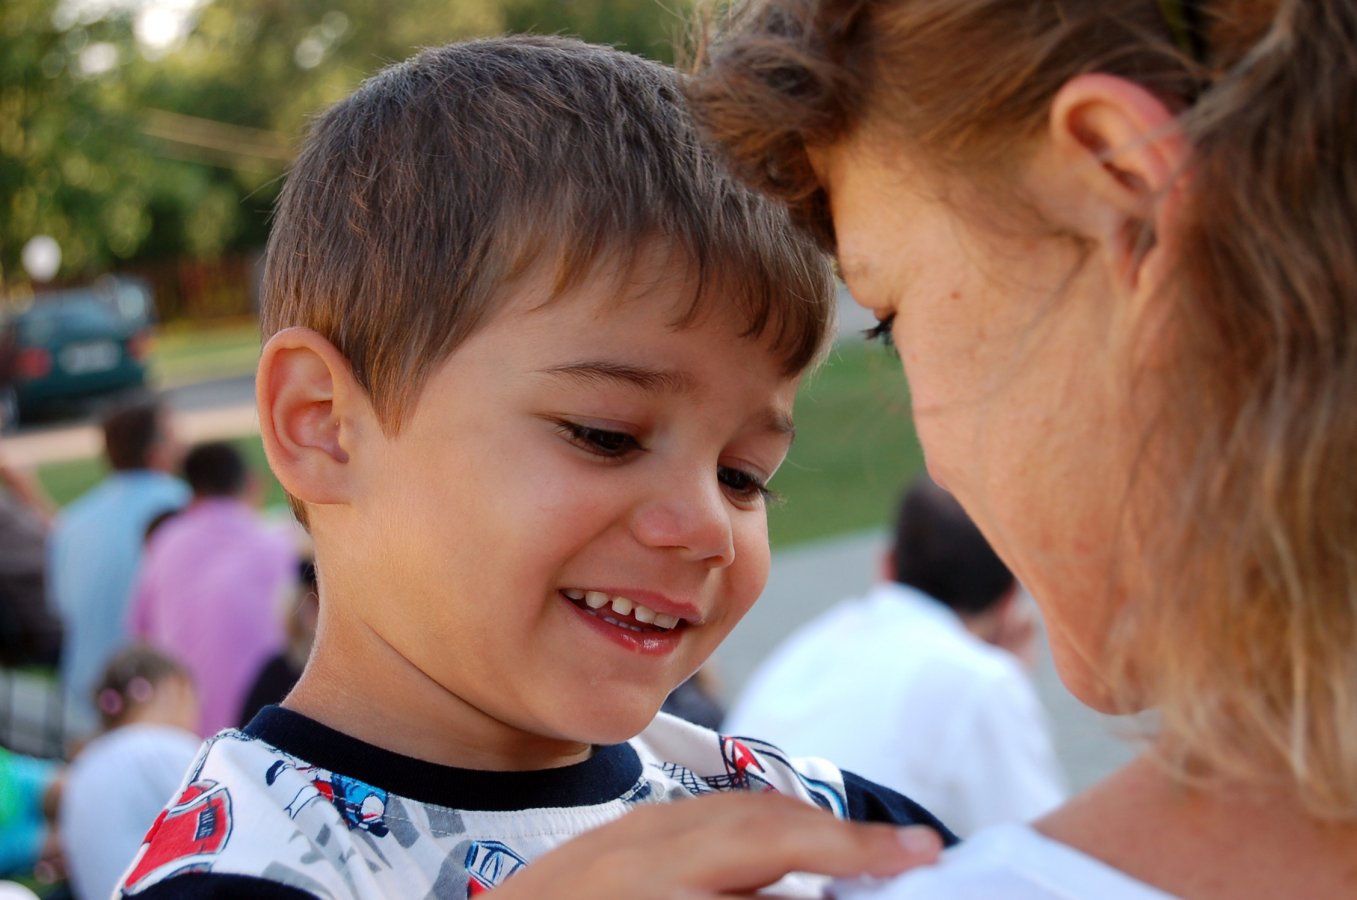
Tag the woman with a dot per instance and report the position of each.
(1112, 241)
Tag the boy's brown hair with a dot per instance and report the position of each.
(442, 179)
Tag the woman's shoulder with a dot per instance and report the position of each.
(1010, 861)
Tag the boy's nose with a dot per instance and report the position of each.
(690, 518)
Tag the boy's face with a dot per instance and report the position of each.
(571, 519)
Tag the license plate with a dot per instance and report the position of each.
(95, 356)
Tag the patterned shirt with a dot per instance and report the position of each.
(290, 808)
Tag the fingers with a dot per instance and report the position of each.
(749, 841)
(718, 846)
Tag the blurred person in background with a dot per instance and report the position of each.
(28, 792)
(211, 584)
(695, 699)
(118, 783)
(96, 544)
(30, 631)
(918, 685)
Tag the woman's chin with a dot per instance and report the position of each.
(1089, 686)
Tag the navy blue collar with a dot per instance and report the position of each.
(610, 773)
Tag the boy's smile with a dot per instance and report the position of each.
(631, 622)
(568, 524)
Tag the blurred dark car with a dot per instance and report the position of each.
(71, 345)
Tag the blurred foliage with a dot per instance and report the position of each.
(855, 446)
(646, 27)
(70, 157)
(128, 154)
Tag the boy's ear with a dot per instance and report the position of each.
(311, 414)
(1128, 153)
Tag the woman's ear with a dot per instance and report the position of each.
(1127, 153)
(312, 415)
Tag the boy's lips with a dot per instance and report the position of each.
(613, 614)
(625, 630)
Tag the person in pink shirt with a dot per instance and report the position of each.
(210, 584)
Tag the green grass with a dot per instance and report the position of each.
(185, 354)
(855, 447)
(65, 481)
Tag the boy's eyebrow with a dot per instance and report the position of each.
(655, 381)
(779, 422)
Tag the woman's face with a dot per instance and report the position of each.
(1008, 343)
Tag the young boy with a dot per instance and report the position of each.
(531, 363)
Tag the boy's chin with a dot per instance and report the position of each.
(601, 727)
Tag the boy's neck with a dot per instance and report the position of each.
(357, 684)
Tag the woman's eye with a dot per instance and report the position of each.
(742, 485)
(600, 441)
(881, 331)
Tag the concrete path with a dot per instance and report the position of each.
(210, 411)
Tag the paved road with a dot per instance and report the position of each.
(206, 411)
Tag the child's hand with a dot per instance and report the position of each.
(718, 846)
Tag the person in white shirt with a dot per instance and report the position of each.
(118, 782)
(911, 686)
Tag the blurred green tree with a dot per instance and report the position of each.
(72, 164)
(645, 27)
(121, 150)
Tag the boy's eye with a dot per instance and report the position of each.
(742, 485)
(600, 441)
(881, 331)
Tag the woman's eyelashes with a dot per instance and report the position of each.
(881, 331)
(742, 486)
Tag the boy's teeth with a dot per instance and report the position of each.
(622, 607)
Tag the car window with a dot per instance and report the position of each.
(49, 316)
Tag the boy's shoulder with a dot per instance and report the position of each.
(701, 761)
(299, 805)
(229, 818)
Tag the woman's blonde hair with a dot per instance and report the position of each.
(1248, 645)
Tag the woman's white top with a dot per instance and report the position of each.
(1012, 862)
